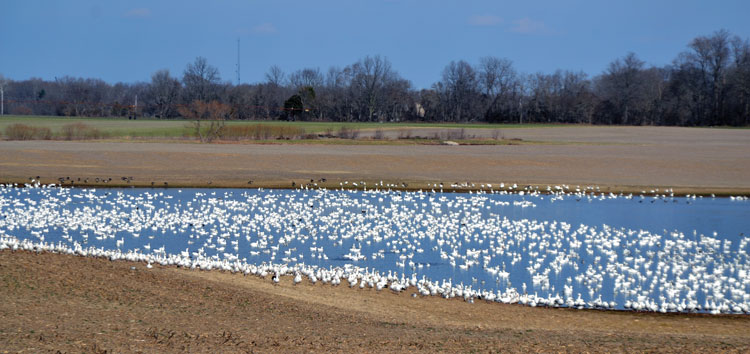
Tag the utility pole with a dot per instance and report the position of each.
(238, 61)
(135, 114)
(3, 82)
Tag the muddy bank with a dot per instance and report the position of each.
(55, 302)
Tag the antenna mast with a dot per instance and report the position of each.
(238, 61)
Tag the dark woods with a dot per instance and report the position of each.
(707, 84)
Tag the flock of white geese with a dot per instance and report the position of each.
(431, 243)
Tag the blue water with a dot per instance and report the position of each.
(617, 249)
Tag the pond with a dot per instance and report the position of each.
(577, 249)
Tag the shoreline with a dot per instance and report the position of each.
(281, 272)
(287, 281)
(412, 186)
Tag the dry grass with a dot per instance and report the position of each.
(71, 131)
(80, 131)
(262, 132)
(26, 132)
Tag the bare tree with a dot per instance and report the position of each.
(82, 97)
(741, 77)
(499, 82)
(275, 76)
(711, 55)
(621, 84)
(369, 78)
(271, 95)
(496, 75)
(399, 104)
(164, 92)
(208, 118)
(308, 77)
(655, 82)
(242, 99)
(461, 88)
(335, 97)
(201, 81)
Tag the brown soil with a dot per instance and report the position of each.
(617, 158)
(74, 304)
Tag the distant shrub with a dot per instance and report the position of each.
(80, 131)
(25, 132)
(459, 134)
(19, 132)
(208, 119)
(42, 133)
(262, 132)
(348, 133)
(404, 134)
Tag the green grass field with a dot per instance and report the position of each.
(111, 127)
(156, 128)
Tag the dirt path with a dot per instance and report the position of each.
(54, 302)
(621, 158)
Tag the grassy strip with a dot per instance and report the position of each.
(123, 127)
(260, 134)
(111, 127)
(360, 141)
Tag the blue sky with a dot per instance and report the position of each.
(129, 40)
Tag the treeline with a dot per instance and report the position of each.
(707, 84)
